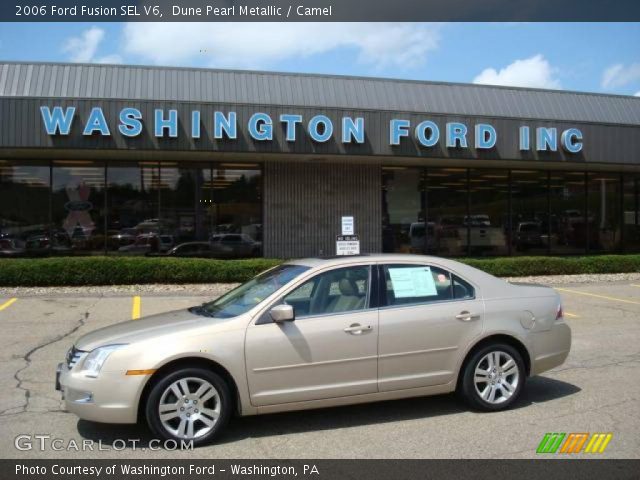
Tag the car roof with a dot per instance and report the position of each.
(491, 285)
(374, 258)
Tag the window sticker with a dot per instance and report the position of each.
(412, 282)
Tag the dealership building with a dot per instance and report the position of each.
(103, 159)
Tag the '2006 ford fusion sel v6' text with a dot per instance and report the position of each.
(317, 333)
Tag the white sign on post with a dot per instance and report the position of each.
(348, 226)
(347, 245)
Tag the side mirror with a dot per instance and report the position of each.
(282, 313)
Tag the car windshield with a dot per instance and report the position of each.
(248, 295)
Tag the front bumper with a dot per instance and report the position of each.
(111, 398)
(58, 372)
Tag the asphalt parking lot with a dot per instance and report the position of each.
(596, 390)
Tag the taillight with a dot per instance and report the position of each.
(559, 314)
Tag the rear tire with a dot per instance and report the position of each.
(493, 378)
(189, 404)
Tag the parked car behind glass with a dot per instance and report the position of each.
(187, 249)
(234, 245)
(9, 248)
(528, 235)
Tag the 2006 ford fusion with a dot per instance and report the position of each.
(317, 333)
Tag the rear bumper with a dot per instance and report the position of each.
(110, 398)
(551, 348)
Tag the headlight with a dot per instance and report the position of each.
(96, 358)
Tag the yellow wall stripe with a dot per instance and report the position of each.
(599, 437)
(590, 444)
(582, 441)
(606, 442)
(135, 308)
(574, 442)
(568, 443)
(8, 303)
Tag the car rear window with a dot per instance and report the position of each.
(462, 290)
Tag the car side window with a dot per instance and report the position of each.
(462, 290)
(336, 291)
(416, 284)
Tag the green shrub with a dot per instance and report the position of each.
(126, 270)
(526, 266)
(83, 271)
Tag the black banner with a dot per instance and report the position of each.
(547, 469)
(318, 10)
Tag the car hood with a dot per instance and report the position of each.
(176, 322)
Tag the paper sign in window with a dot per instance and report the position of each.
(412, 282)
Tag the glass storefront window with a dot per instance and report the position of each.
(403, 225)
(447, 212)
(529, 212)
(68, 207)
(132, 206)
(569, 224)
(155, 207)
(77, 209)
(631, 213)
(218, 203)
(604, 212)
(234, 210)
(24, 205)
(489, 212)
(178, 221)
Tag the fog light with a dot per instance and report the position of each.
(78, 396)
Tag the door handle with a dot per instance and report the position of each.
(357, 329)
(467, 316)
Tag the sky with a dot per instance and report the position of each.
(593, 57)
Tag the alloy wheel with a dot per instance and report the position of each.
(496, 377)
(189, 408)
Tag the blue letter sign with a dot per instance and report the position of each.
(170, 123)
(130, 124)
(57, 121)
(259, 126)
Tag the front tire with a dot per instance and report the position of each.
(189, 404)
(493, 377)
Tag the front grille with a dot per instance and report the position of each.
(73, 356)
